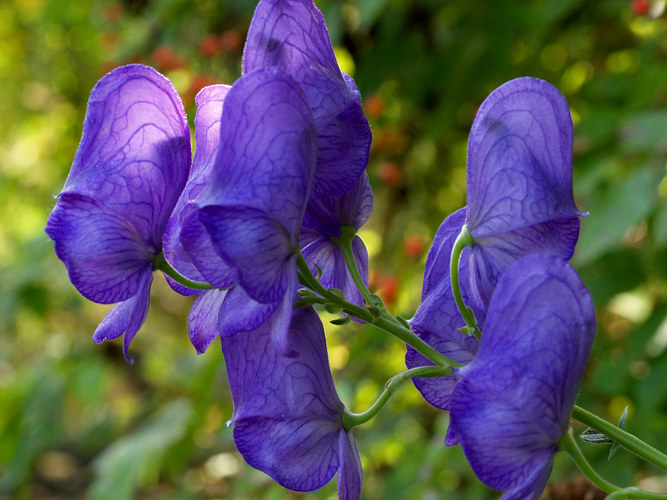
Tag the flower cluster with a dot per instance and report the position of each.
(278, 170)
(271, 202)
(510, 403)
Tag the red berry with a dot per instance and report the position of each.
(640, 7)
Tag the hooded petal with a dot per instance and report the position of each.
(287, 415)
(514, 400)
(207, 139)
(105, 256)
(267, 149)
(127, 317)
(134, 154)
(292, 35)
(520, 159)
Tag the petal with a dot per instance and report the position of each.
(293, 36)
(298, 453)
(203, 324)
(105, 256)
(491, 256)
(207, 139)
(127, 317)
(257, 245)
(267, 384)
(520, 159)
(240, 313)
(267, 148)
(134, 154)
(502, 443)
(540, 315)
(287, 415)
(350, 474)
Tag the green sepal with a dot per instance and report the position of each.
(344, 320)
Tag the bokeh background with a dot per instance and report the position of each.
(77, 421)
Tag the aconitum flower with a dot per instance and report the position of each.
(437, 320)
(324, 219)
(127, 175)
(287, 416)
(254, 201)
(292, 35)
(519, 181)
(513, 402)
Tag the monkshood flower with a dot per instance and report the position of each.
(292, 35)
(326, 218)
(519, 181)
(513, 402)
(253, 204)
(437, 320)
(287, 416)
(127, 175)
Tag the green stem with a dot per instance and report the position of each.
(463, 240)
(569, 445)
(353, 419)
(345, 244)
(383, 320)
(161, 264)
(624, 438)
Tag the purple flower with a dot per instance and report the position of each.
(127, 175)
(287, 416)
(255, 198)
(519, 181)
(513, 402)
(437, 320)
(324, 218)
(292, 35)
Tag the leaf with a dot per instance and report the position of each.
(136, 460)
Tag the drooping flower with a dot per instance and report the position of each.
(255, 198)
(513, 402)
(519, 181)
(292, 35)
(324, 219)
(287, 416)
(127, 175)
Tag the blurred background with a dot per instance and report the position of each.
(77, 421)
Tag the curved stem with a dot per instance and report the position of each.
(624, 438)
(353, 419)
(161, 264)
(383, 320)
(463, 240)
(345, 244)
(568, 444)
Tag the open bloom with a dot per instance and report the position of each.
(127, 175)
(287, 416)
(292, 35)
(512, 403)
(519, 181)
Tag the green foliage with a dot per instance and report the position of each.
(76, 421)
